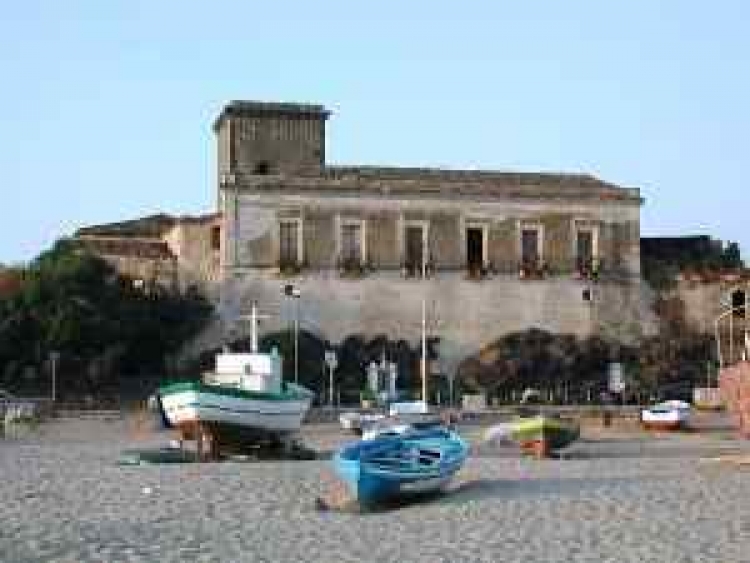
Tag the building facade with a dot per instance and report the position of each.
(490, 252)
(161, 251)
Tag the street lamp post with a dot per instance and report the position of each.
(294, 292)
(54, 357)
(332, 362)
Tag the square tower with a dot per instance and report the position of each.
(270, 137)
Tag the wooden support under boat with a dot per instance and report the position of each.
(207, 446)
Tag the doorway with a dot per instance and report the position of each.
(414, 248)
(474, 249)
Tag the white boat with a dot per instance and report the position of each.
(242, 402)
(408, 408)
(669, 415)
(355, 421)
(399, 425)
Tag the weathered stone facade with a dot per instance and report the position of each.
(177, 253)
(502, 251)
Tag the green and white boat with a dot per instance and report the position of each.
(543, 433)
(242, 402)
(539, 434)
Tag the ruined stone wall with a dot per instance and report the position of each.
(705, 301)
(153, 271)
(197, 261)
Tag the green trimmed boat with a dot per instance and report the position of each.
(543, 434)
(244, 401)
(234, 412)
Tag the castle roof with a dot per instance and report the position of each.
(128, 247)
(439, 182)
(150, 226)
(245, 108)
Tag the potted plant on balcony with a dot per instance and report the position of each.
(532, 270)
(588, 269)
(351, 268)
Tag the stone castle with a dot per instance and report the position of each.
(490, 252)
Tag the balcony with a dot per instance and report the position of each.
(351, 267)
(532, 269)
(479, 272)
(289, 268)
(413, 269)
(588, 268)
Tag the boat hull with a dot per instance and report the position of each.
(383, 469)
(663, 426)
(664, 421)
(542, 435)
(232, 416)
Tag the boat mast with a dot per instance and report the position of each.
(254, 318)
(254, 328)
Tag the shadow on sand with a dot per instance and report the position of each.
(483, 489)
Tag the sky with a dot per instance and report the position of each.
(106, 107)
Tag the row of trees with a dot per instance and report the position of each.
(113, 337)
(577, 370)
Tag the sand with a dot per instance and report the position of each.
(620, 497)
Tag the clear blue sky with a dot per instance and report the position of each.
(106, 106)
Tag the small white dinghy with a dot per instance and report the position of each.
(669, 415)
(355, 421)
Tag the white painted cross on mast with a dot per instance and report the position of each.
(254, 317)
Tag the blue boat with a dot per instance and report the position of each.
(394, 466)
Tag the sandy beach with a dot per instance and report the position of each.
(616, 497)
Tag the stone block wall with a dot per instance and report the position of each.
(465, 314)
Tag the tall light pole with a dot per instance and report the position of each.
(294, 292)
(332, 362)
(424, 328)
(54, 357)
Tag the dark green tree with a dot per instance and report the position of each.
(105, 329)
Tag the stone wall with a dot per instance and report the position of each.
(705, 301)
(197, 259)
(160, 272)
(465, 314)
(471, 313)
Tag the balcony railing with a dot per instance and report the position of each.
(584, 270)
(479, 272)
(289, 267)
(412, 269)
(532, 269)
(589, 268)
(352, 267)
